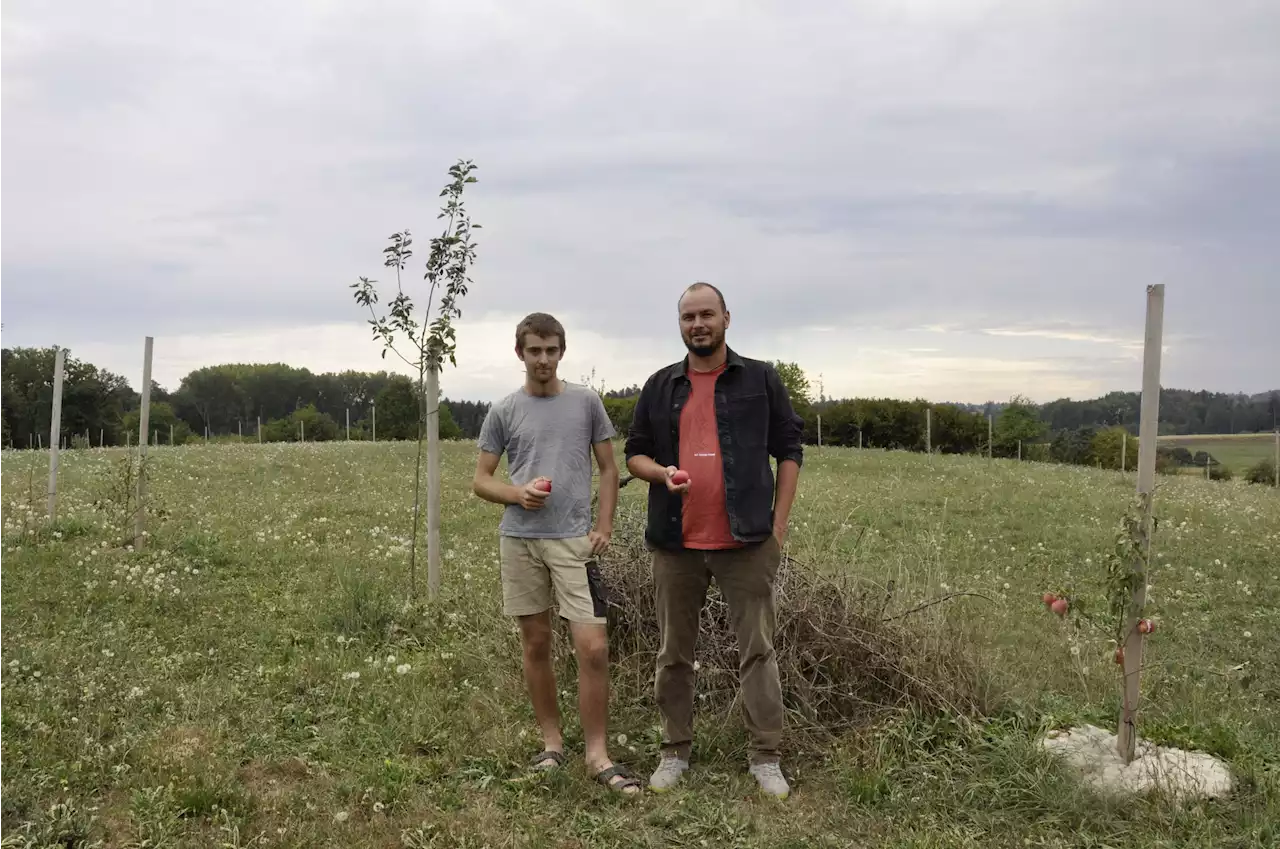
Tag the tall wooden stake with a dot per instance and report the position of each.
(433, 482)
(1277, 468)
(259, 430)
(819, 430)
(348, 424)
(374, 408)
(990, 437)
(1127, 737)
(55, 429)
(144, 423)
(928, 430)
(1124, 450)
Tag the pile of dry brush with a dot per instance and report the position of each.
(844, 655)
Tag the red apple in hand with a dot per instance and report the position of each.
(1059, 606)
(543, 485)
(681, 476)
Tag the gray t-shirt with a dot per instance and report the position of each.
(548, 437)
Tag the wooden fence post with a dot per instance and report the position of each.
(55, 428)
(144, 424)
(1127, 737)
(433, 481)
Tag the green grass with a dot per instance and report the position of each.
(1237, 451)
(202, 691)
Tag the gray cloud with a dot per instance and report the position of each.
(231, 169)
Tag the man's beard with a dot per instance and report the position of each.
(707, 349)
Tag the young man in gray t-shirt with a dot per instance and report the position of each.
(549, 431)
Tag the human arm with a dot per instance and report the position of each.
(784, 495)
(603, 531)
(641, 445)
(786, 445)
(493, 442)
(602, 434)
(488, 487)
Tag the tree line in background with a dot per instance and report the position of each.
(226, 401)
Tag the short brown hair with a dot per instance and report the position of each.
(539, 324)
(703, 285)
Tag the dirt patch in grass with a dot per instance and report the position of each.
(182, 745)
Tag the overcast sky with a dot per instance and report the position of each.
(951, 200)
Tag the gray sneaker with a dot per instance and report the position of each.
(668, 773)
(769, 777)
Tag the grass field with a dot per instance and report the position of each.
(1238, 452)
(253, 676)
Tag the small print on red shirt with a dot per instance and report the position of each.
(706, 516)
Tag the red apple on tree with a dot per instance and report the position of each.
(1059, 606)
(1146, 626)
(1049, 598)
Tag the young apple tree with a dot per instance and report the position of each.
(427, 344)
(1128, 566)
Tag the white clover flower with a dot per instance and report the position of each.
(403, 669)
(351, 676)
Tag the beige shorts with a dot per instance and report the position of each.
(532, 568)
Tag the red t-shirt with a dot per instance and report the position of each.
(706, 517)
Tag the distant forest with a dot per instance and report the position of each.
(233, 400)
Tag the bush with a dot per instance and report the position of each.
(1108, 448)
(1263, 472)
(1167, 464)
(621, 411)
(1220, 473)
(160, 418)
(316, 427)
(843, 658)
(1073, 446)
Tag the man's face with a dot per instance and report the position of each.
(702, 322)
(541, 357)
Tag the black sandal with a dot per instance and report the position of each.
(604, 776)
(549, 754)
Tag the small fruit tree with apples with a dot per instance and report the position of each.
(1126, 584)
(1127, 567)
(429, 343)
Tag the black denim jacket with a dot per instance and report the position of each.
(755, 421)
